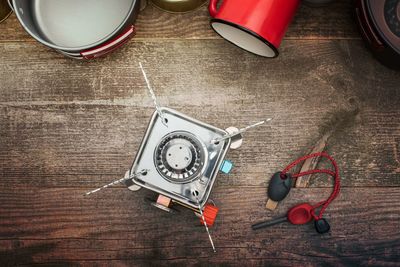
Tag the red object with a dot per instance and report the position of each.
(300, 214)
(366, 27)
(210, 213)
(254, 25)
(304, 213)
(379, 22)
(335, 174)
(111, 45)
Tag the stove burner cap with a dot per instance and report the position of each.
(179, 157)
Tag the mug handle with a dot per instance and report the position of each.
(212, 8)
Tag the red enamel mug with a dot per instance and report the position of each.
(257, 26)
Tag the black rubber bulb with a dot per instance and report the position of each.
(322, 226)
(279, 186)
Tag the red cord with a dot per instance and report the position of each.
(335, 174)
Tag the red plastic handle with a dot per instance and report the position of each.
(210, 213)
(212, 8)
(110, 46)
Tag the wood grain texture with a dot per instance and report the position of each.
(70, 146)
(334, 21)
(69, 126)
(81, 122)
(62, 226)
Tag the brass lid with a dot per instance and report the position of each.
(178, 6)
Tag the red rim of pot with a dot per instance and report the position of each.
(376, 14)
(382, 50)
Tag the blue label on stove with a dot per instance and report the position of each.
(226, 166)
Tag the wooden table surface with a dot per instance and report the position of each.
(69, 126)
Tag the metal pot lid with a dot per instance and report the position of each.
(175, 6)
(385, 14)
(75, 25)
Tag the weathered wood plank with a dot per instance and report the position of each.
(80, 123)
(91, 145)
(60, 225)
(329, 70)
(67, 127)
(334, 21)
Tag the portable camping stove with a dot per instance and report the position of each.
(179, 159)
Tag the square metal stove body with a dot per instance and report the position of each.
(182, 159)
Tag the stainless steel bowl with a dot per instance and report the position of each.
(78, 28)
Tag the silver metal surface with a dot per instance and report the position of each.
(180, 157)
(122, 180)
(75, 25)
(237, 139)
(179, 181)
(161, 207)
(179, 154)
(205, 223)
(153, 96)
(231, 135)
(131, 185)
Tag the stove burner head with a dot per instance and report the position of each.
(180, 157)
